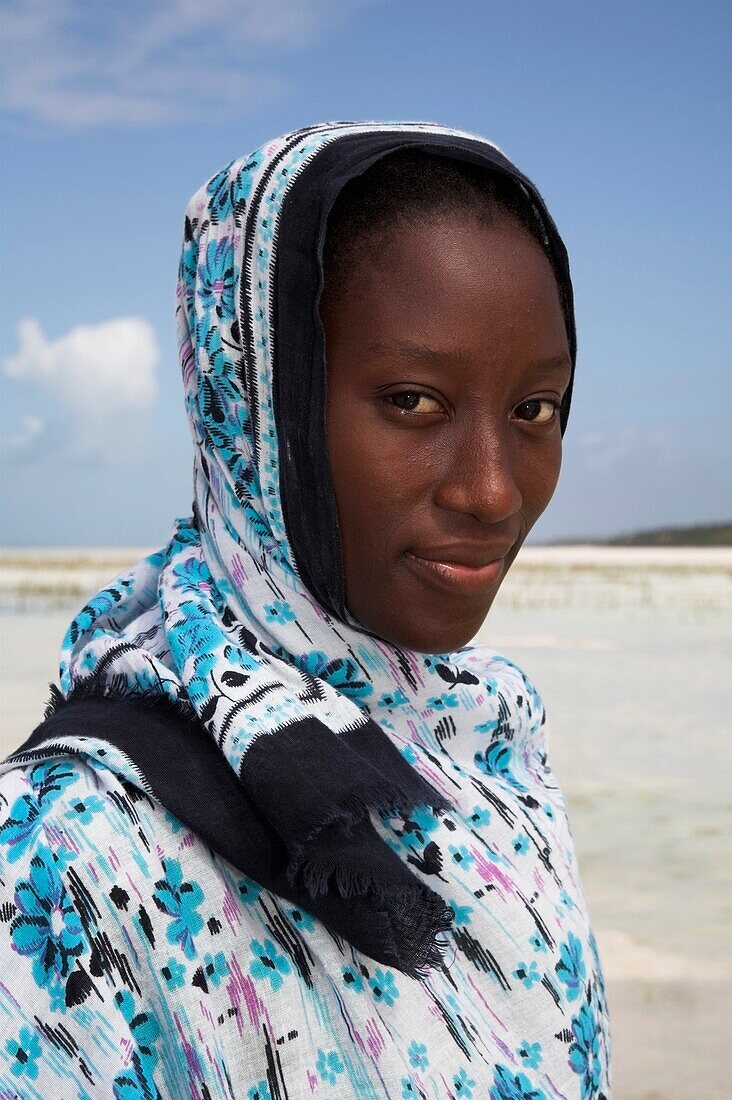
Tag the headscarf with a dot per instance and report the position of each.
(241, 620)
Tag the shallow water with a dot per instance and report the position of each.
(638, 707)
(638, 696)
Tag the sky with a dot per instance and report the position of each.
(114, 114)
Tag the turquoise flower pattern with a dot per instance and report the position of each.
(442, 702)
(135, 1082)
(260, 1091)
(391, 699)
(144, 1029)
(279, 612)
(461, 855)
(513, 1086)
(421, 822)
(383, 986)
(463, 1084)
(24, 1053)
(180, 900)
(329, 1065)
(216, 279)
(584, 1052)
(480, 817)
(47, 927)
(249, 891)
(521, 844)
(571, 969)
(268, 964)
(343, 674)
(20, 827)
(220, 190)
(528, 973)
(84, 809)
(353, 979)
(418, 1055)
(461, 913)
(174, 973)
(530, 1054)
(499, 760)
(215, 967)
(303, 920)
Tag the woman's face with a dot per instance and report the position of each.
(447, 358)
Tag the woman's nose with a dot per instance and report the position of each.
(480, 481)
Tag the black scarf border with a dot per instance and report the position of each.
(346, 876)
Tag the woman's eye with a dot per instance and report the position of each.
(414, 401)
(540, 410)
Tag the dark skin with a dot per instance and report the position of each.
(447, 358)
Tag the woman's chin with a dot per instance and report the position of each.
(443, 635)
(449, 643)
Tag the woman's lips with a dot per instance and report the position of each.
(451, 576)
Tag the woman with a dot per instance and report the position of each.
(284, 832)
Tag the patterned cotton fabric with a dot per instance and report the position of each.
(135, 960)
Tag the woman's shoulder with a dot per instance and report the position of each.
(77, 819)
(120, 926)
(67, 797)
(57, 816)
(76, 788)
(79, 773)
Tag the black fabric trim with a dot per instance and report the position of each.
(322, 779)
(248, 268)
(340, 871)
(299, 375)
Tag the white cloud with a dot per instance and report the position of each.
(102, 378)
(633, 446)
(73, 64)
(31, 428)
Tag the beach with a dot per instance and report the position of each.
(630, 648)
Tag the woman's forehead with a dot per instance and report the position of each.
(432, 295)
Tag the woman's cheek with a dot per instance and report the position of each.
(541, 481)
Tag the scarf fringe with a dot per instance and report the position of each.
(95, 688)
(385, 798)
(409, 915)
(317, 869)
(427, 917)
(423, 914)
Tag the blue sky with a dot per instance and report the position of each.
(114, 114)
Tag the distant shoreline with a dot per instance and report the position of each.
(709, 534)
(581, 575)
(701, 535)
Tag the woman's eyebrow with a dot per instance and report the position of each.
(556, 364)
(407, 349)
